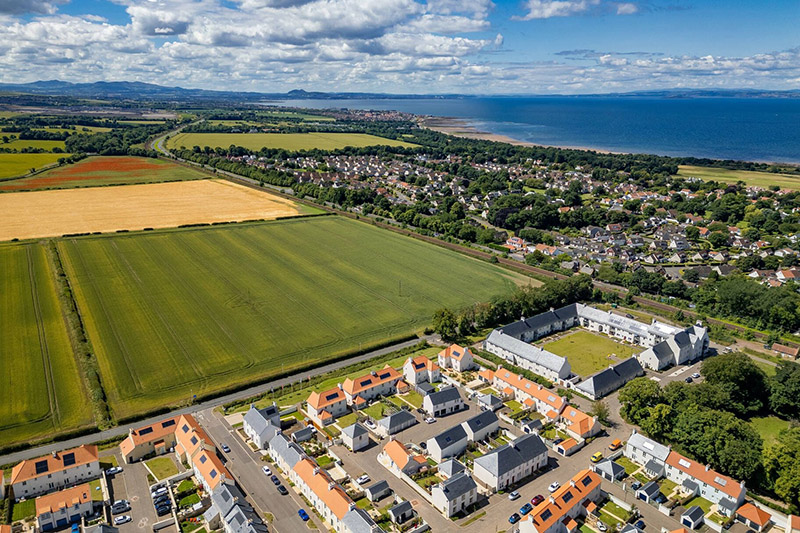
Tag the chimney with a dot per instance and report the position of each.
(552, 500)
(708, 468)
(572, 482)
(331, 485)
(316, 470)
(352, 505)
(55, 455)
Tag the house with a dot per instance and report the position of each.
(557, 514)
(56, 471)
(685, 346)
(443, 402)
(65, 507)
(355, 437)
(647, 452)
(455, 494)
(449, 443)
(401, 513)
(209, 470)
(568, 446)
(528, 393)
(378, 491)
(285, 453)
(231, 513)
(785, 351)
(692, 517)
(456, 357)
(490, 402)
(359, 521)
(377, 383)
(578, 424)
(325, 407)
(260, 425)
(395, 423)
(753, 517)
(510, 463)
(420, 369)
(449, 468)
(155, 439)
(648, 492)
(714, 487)
(304, 434)
(322, 492)
(397, 456)
(481, 426)
(612, 378)
(609, 470)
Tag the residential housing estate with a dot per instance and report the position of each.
(557, 513)
(65, 507)
(510, 463)
(55, 471)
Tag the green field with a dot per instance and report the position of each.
(41, 391)
(19, 144)
(176, 313)
(286, 141)
(760, 179)
(588, 352)
(769, 427)
(20, 164)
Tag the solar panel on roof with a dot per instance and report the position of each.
(185, 428)
(167, 424)
(69, 459)
(332, 396)
(145, 431)
(720, 481)
(203, 459)
(213, 474)
(365, 382)
(567, 496)
(586, 481)
(684, 463)
(41, 466)
(194, 440)
(546, 514)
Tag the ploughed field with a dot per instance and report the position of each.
(193, 311)
(102, 170)
(36, 214)
(41, 390)
(285, 141)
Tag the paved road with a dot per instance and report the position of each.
(245, 466)
(132, 485)
(30, 453)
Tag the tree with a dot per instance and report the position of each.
(637, 397)
(444, 323)
(718, 239)
(737, 375)
(784, 399)
(658, 423)
(693, 233)
(601, 411)
(782, 468)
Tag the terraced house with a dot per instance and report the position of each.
(360, 390)
(65, 507)
(526, 392)
(325, 407)
(56, 471)
(510, 463)
(558, 513)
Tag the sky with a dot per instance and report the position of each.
(406, 46)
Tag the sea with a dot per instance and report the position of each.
(748, 129)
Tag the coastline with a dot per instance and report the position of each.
(459, 127)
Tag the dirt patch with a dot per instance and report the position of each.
(53, 213)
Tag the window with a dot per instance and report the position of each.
(193, 440)
(203, 459)
(213, 474)
(185, 428)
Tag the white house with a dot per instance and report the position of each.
(510, 463)
(456, 357)
(481, 426)
(421, 369)
(325, 407)
(449, 443)
(558, 513)
(443, 402)
(260, 425)
(648, 453)
(56, 471)
(355, 437)
(64, 507)
(455, 494)
(396, 456)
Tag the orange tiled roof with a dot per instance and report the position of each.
(454, 351)
(324, 487)
(754, 514)
(680, 530)
(487, 374)
(580, 421)
(728, 485)
(151, 433)
(549, 512)
(421, 362)
(354, 386)
(211, 468)
(190, 436)
(794, 523)
(568, 444)
(398, 453)
(63, 498)
(320, 400)
(529, 387)
(26, 470)
(5, 529)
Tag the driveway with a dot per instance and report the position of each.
(132, 485)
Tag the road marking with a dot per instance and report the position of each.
(655, 378)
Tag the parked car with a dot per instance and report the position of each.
(554, 486)
(275, 479)
(124, 519)
(120, 506)
(688, 380)
(76, 528)
(513, 495)
(525, 509)
(558, 441)
(423, 445)
(696, 375)
(616, 444)
(158, 500)
(266, 470)
(225, 448)
(420, 410)
(601, 526)
(363, 478)
(636, 485)
(282, 490)
(430, 420)
(660, 498)
(370, 424)
(113, 470)
(161, 511)
(597, 457)
(303, 515)
(640, 524)
(536, 500)
(158, 492)
(513, 519)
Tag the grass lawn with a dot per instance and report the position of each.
(23, 510)
(514, 405)
(104, 170)
(427, 481)
(629, 466)
(488, 390)
(97, 490)
(586, 529)
(642, 477)
(769, 427)
(667, 486)
(364, 503)
(286, 141)
(206, 301)
(397, 402)
(48, 395)
(20, 164)
(704, 504)
(614, 509)
(589, 352)
(609, 520)
(760, 179)
(377, 410)
(347, 420)
(414, 398)
(162, 467)
(324, 460)
(189, 500)
(769, 370)
(185, 486)
(108, 461)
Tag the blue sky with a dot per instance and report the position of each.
(414, 46)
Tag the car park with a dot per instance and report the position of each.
(282, 490)
(554, 486)
(363, 479)
(536, 500)
(597, 457)
(513, 519)
(513, 495)
(266, 470)
(525, 509)
(303, 515)
(124, 519)
(225, 448)
(275, 479)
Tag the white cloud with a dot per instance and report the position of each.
(21, 7)
(627, 8)
(545, 9)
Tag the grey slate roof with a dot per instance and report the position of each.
(630, 528)
(358, 521)
(290, 452)
(451, 467)
(510, 456)
(651, 489)
(245, 520)
(355, 430)
(612, 378)
(302, 435)
(376, 489)
(694, 513)
(425, 388)
(481, 421)
(653, 466)
(457, 486)
(395, 421)
(450, 436)
(517, 329)
(611, 468)
(399, 510)
(648, 446)
(101, 528)
(443, 396)
(259, 419)
(490, 400)
(727, 503)
(527, 351)
(690, 485)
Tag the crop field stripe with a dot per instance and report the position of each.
(43, 351)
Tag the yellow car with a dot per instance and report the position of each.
(597, 457)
